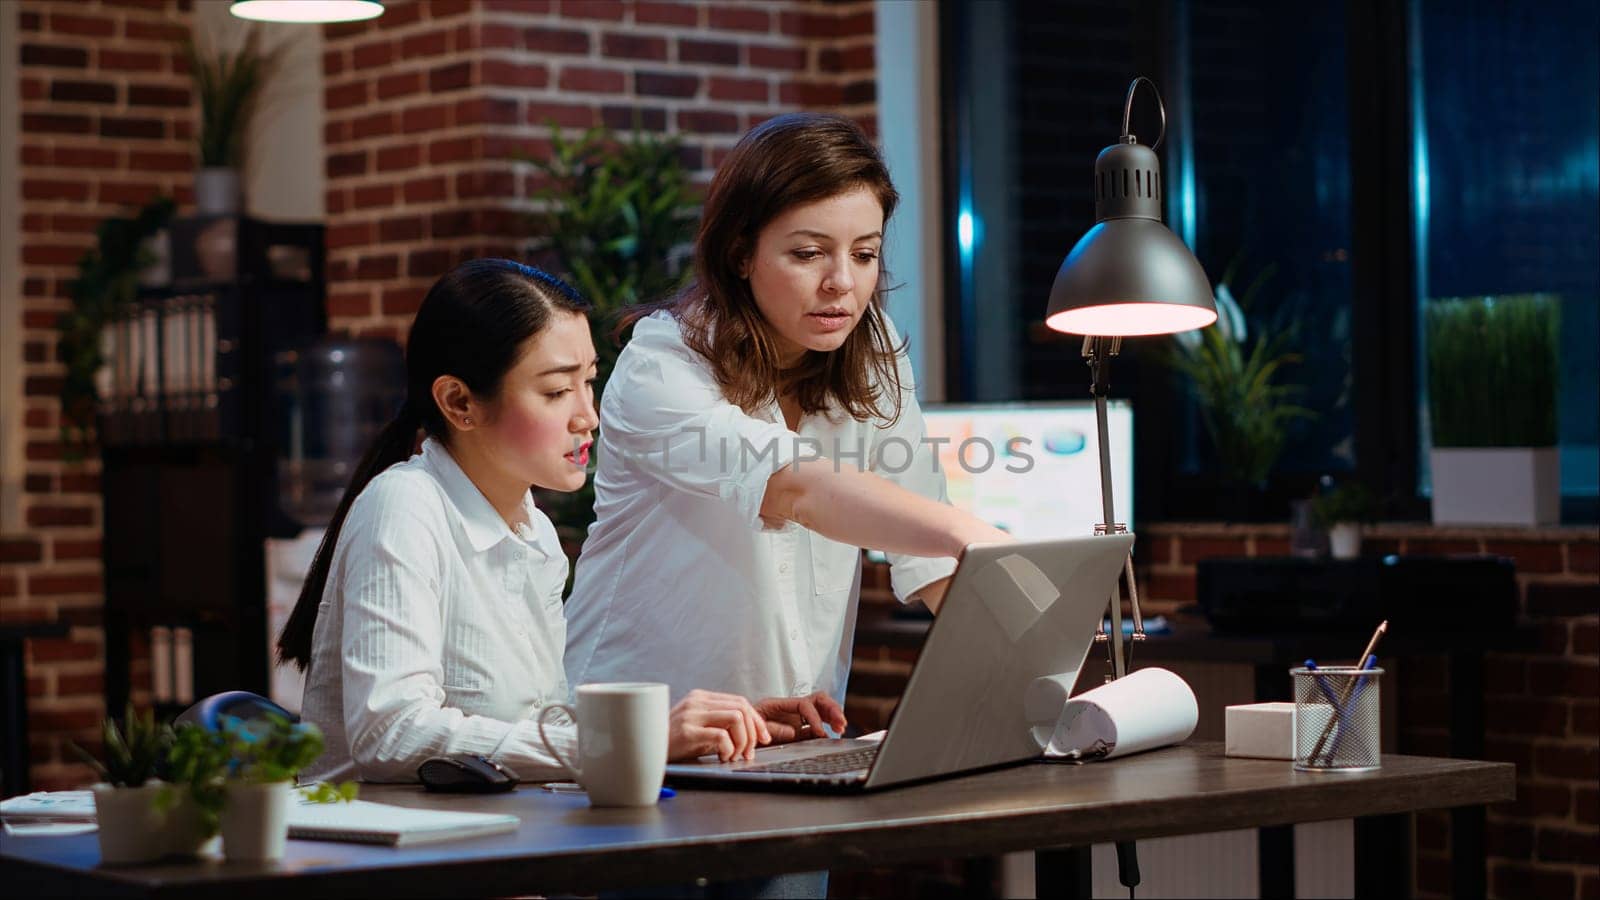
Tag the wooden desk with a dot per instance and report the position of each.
(563, 845)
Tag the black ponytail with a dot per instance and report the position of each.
(473, 324)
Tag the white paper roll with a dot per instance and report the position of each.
(1143, 710)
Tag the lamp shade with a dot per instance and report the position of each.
(1129, 275)
(307, 11)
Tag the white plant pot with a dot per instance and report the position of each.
(1496, 485)
(1344, 540)
(132, 828)
(217, 192)
(255, 822)
(186, 830)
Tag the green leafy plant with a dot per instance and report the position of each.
(107, 282)
(328, 792)
(1493, 370)
(198, 762)
(228, 85)
(1351, 501)
(1238, 379)
(269, 748)
(134, 752)
(618, 216)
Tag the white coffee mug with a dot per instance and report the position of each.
(622, 742)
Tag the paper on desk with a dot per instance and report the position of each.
(1141, 711)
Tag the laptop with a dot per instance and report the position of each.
(1013, 613)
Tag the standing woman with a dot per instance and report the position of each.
(430, 622)
(757, 432)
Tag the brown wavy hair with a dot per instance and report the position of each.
(784, 162)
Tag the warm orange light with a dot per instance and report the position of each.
(1131, 319)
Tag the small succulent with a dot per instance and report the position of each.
(134, 753)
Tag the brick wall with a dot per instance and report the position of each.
(105, 124)
(429, 106)
(1540, 708)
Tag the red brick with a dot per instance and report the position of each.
(55, 123)
(404, 228)
(634, 118)
(92, 684)
(1433, 830)
(48, 720)
(345, 96)
(452, 223)
(846, 59)
(707, 121)
(83, 92)
(155, 95)
(505, 73)
(377, 268)
(29, 21)
(729, 17)
(348, 234)
(621, 45)
(431, 43)
(20, 550)
(808, 24)
(1192, 550)
(452, 77)
(129, 127)
(161, 161)
(82, 25)
(1586, 809)
(1563, 599)
(1178, 588)
(392, 159)
(349, 304)
(490, 110)
(1530, 556)
(1527, 715)
(34, 351)
(603, 10)
(55, 57)
(646, 12)
(765, 57)
(814, 93)
(1586, 638)
(381, 124)
(1538, 799)
(1505, 673)
(334, 133)
(450, 150)
(1563, 678)
(33, 89)
(345, 165)
(1567, 761)
(1510, 880)
(426, 190)
(372, 195)
(555, 40)
(61, 650)
(717, 53)
(752, 90)
(1583, 557)
(399, 301)
(333, 63)
(372, 56)
(448, 9)
(665, 84)
(1506, 839)
(428, 263)
(1591, 887)
(162, 32)
(1270, 547)
(589, 80)
(54, 585)
(1585, 718)
(432, 117)
(1430, 547)
(62, 549)
(129, 60)
(397, 16)
(8, 588)
(80, 483)
(127, 194)
(564, 115)
(46, 189)
(475, 185)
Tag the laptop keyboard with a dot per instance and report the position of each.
(826, 764)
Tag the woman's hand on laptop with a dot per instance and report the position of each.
(706, 722)
(797, 718)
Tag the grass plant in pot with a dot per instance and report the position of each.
(264, 755)
(1343, 511)
(1493, 372)
(128, 804)
(228, 84)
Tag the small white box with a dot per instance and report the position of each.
(1260, 730)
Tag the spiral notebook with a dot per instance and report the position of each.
(396, 826)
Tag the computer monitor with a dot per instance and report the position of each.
(1042, 479)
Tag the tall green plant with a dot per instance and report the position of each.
(228, 85)
(618, 216)
(134, 753)
(1239, 380)
(1493, 370)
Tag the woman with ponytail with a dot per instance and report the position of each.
(431, 621)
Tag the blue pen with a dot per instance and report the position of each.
(1371, 662)
(1338, 712)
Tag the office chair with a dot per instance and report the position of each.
(239, 704)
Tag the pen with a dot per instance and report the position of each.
(1371, 662)
(1339, 708)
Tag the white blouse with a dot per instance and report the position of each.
(680, 580)
(440, 630)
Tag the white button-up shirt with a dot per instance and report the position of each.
(680, 580)
(440, 630)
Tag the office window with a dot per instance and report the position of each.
(1506, 104)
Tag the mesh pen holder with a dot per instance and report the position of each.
(1336, 721)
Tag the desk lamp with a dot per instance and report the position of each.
(1128, 276)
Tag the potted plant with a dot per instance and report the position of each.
(1342, 511)
(127, 799)
(264, 755)
(1238, 380)
(1492, 390)
(618, 218)
(228, 85)
(197, 765)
